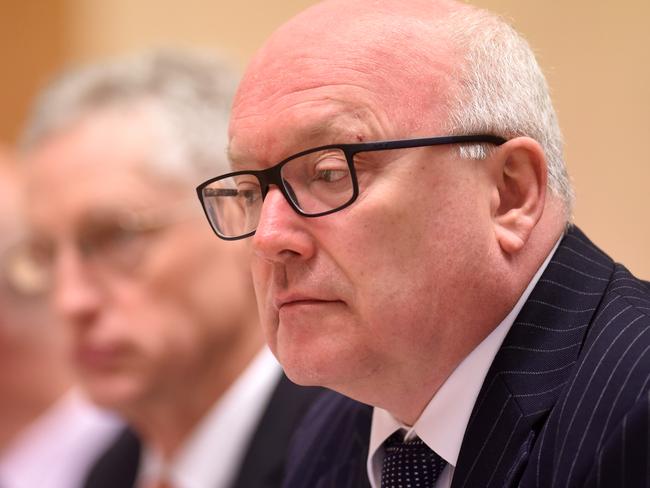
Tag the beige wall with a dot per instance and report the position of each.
(31, 47)
(98, 27)
(595, 54)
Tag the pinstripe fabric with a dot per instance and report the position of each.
(568, 384)
(565, 403)
(331, 447)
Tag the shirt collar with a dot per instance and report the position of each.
(443, 422)
(230, 422)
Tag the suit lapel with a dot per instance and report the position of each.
(532, 366)
(264, 462)
(118, 466)
(331, 446)
(352, 472)
(348, 470)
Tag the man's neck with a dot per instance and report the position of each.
(431, 374)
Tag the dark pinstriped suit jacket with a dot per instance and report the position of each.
(264, 460)
(565, 402)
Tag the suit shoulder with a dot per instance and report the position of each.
(610, 381)
(635, 292)
(621, 323)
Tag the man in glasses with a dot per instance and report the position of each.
(162, 316)
(397, 168)
(49, 434)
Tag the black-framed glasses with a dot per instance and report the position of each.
(315, 182)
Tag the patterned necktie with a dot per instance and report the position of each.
(409, 464)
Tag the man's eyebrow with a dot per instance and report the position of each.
(340, 129)
(238, 160)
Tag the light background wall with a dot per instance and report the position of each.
(595, 53)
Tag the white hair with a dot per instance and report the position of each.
(503, 92)
(188, 94)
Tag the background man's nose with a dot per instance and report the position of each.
(75, 293)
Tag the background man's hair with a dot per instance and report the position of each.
(189, 95)
(503, 91)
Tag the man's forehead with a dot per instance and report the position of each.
(396, 65)
(390, 55)
(68, 189)
(331, 123)
(265, 132)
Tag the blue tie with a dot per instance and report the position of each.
(409, 464)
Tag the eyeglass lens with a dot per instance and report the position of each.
(315, 183)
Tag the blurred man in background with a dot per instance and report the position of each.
(162, 316)
(49, 435)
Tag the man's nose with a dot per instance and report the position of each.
(75, 293)
(281, 232)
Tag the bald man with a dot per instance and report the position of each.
(49, 435)
(399, 172)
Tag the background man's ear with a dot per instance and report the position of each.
(520, 174)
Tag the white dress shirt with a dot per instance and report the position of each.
(59, 447)
(212, 455)
(443, 422)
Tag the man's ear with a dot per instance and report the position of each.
(520, 174)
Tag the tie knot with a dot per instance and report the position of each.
(409, 463)
(397, 441)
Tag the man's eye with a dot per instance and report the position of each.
(330, 167)
(246, 183)
(107, 237)
(330, 175)
(248, 189)
(249, 196)
(40, 250)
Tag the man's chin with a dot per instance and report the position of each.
(311, 369)
(112, 392)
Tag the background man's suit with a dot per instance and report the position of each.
(565, 403)
(265, 457)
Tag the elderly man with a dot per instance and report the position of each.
(399, 167)
(49, 434)
(162, 317)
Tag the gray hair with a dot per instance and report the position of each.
(189, 94)
(503, 92)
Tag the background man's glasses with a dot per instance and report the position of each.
(19, 279)
(111, 242)
(315, 182)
